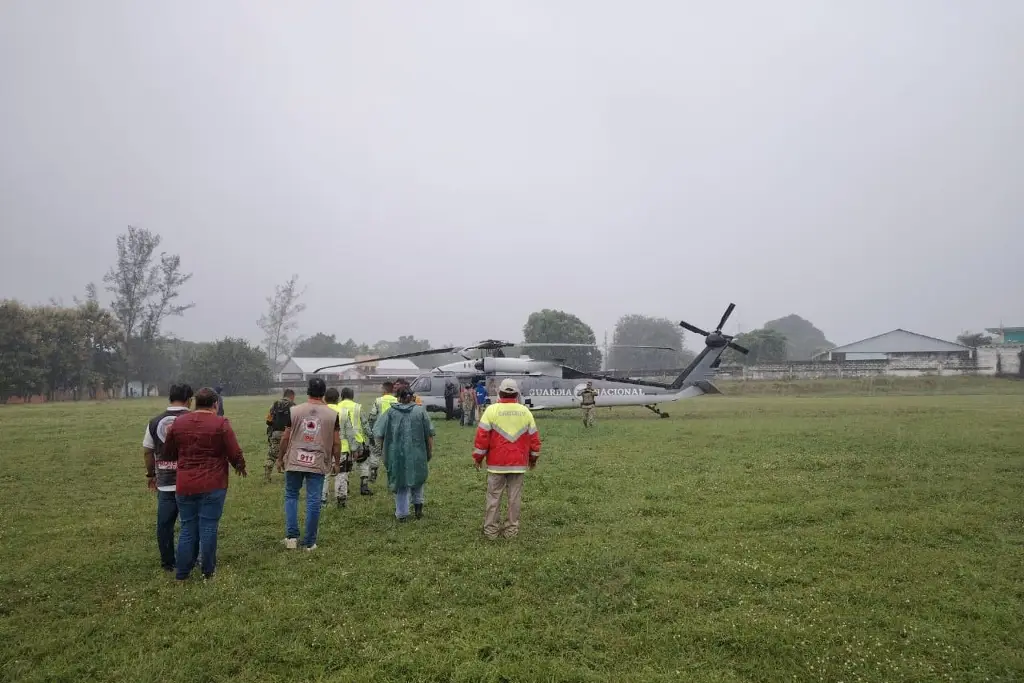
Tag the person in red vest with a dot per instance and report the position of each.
(508, 440)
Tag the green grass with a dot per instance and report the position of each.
(744, 539)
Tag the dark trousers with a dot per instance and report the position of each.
(449, 407)
(166, 516)
(200, 519)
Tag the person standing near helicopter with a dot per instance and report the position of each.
(588, 400)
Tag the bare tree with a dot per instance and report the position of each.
(144, 295)
(279, 321)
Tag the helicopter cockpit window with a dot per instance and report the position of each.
(421, 385)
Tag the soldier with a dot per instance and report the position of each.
(380, 406)
(468, 400)
(277, 420)
(587, 401)
(332, 399)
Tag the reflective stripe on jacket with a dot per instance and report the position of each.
(506, 436)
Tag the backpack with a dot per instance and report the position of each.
(280, 413)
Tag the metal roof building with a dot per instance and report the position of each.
(1007, 335)
(898, 343)
(304, 368)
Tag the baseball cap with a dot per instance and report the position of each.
(508, 386)
(317, 387)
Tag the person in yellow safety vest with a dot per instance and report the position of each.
(353, 412)
(332, 398)
(380, 406)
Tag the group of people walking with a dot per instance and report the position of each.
(188, 454)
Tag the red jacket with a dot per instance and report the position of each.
(507, 437)
(203, 444)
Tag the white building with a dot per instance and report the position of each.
(301, 369)
(900, 346)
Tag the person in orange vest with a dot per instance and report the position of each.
(508, 440)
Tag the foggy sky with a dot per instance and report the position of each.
(859, 163)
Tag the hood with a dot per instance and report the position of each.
(404, 407)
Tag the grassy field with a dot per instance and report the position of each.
(754, 538)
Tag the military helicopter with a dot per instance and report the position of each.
(548, 385)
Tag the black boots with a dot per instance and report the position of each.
(373, 474)
(364, 487)
(341, 502)
(419, 510)
(267, 469)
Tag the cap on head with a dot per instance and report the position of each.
(508, 386)
(317, 387)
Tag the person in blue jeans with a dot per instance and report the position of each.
(310, 447)
(202, 444)
(162, 474)
(407, 438)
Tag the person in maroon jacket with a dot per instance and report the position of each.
(203, 444)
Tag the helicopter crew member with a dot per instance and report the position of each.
(588, 399)
(449, 400)
(381, 404)
(355, 449)
(508, 440)
(277, 420)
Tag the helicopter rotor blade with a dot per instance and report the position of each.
(693, 328)
(411, 354)
(737, 347)
(725, 316)
(611, 346)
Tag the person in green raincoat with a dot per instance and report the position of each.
(407, 437)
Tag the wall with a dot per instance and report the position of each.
(1008, 356)
(905, 365)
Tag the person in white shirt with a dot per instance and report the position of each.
(161, 474)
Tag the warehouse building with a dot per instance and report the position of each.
(301, 369)
(900, 347)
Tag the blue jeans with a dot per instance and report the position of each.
(200, 516)
(166, 516)
(402, 499)
(314, 488)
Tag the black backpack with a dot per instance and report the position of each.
(279, 415)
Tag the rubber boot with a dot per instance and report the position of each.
(364, 487)
(341, 502)
(373, 474)
(419, 510)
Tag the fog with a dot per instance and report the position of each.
(444, 168)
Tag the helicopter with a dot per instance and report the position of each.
(548, 385)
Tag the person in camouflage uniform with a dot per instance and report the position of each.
(588, 399)
(379, 407)
(277, 420)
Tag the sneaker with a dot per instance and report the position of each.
(311, 548)
(291, 543)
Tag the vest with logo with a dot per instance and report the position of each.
(312, 439)
(166, 470)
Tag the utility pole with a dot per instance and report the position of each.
(604, 354)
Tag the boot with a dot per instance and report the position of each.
(419, 510)
(341, 502)
(373, 474)
(267, 469)
(364, 487)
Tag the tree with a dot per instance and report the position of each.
(766, 346)
(231, 363)
(320, 345)
(21, 369)
(279, 321)
(974, 339)
(803, 340)
(404, 344)
(644, 330)
(144, 295)
(549, 326)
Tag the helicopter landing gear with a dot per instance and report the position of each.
(656, 411)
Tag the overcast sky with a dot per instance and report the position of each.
(859, 163)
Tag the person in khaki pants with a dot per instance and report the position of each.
(507, 439)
